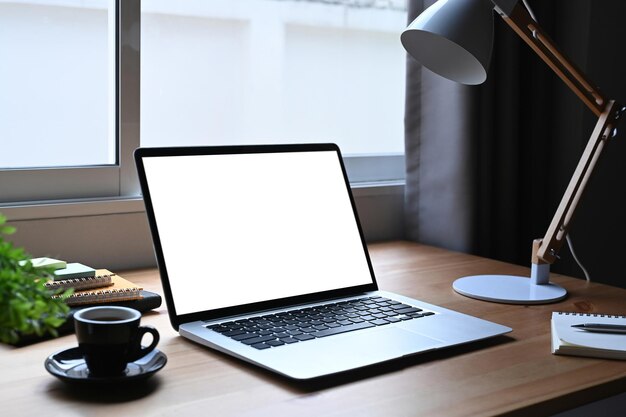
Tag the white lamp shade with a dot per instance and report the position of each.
(453, 38)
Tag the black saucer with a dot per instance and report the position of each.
(69, 366)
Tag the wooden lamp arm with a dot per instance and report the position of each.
(520, 20)
(608, 112)
(547, 250)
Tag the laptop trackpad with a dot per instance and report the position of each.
(354, 350)
(389, 341)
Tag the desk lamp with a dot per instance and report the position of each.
(453, 38)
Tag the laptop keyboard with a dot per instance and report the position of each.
(274, 330)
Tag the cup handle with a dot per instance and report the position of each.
(143, 351)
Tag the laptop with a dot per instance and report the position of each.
(261, 256)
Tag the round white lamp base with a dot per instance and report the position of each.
(508, 289)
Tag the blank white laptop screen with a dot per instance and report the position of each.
(238, 229)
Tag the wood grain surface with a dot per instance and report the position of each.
(513, 375)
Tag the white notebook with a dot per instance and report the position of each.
(567, 340)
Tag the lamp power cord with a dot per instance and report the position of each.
(580, 265)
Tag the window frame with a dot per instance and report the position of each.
(63, 183)
(48, 187)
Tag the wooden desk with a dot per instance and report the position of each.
(514, 375)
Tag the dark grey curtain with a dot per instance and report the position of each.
(487, 165)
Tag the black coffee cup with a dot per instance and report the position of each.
(110, 337)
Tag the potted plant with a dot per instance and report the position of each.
(26, 305)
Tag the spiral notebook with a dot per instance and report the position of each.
(120, 290)
(99, 281)
(567, 340)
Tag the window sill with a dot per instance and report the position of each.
(39, 210)
(57, 209)
(114, 233)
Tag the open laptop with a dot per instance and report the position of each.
(262, 256)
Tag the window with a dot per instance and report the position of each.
(212, 72)
(277, 71)
(60, 73)
(58, 65)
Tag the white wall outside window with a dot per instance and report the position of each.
(268, 71)
(57, 105)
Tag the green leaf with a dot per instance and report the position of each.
(7, 230)
(26, 305)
